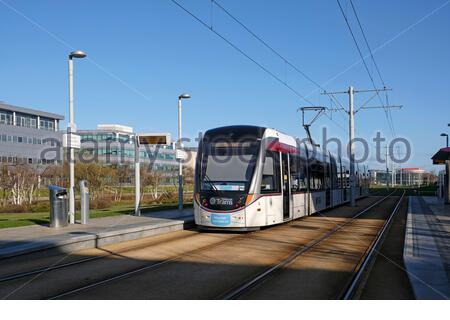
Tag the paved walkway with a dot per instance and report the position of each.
(99, 232)
(427, 248)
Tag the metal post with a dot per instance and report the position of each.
(84, 202)
(351, 146)
(447, 182)
(392, 174)
(387, 169)
(396, 178)
(394, 171)
(180, 162)
(137, 177)
(392, 168)
(71, 129)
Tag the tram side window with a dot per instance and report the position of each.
(343, 178)
(317, 174)
(271, 173)
(327, 171)
(298, 173)
(303, 174)
(347, 179)
(334, 175)
(320, 176)
(293, 164)
(312, 185)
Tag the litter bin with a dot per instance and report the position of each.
(59, 209)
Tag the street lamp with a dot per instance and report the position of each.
(180, 146)
(77, 54)
(445, 135)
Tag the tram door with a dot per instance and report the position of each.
(286, 186)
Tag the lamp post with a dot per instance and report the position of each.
(179, 147)
(351, 113)
(445, 135)
(137, 176)
(70, 130)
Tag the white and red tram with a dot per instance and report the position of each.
(248, 177)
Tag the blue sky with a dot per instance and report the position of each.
(143, 54)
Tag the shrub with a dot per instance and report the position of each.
(169, 196)
(40, 207)
(13, 208)
(128, 197)
(101, 203)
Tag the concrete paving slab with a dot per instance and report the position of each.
(99, 232)
(426, 250)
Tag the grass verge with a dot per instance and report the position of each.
(13, 220)
(410, 191)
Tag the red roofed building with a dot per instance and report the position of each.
(411, 177)
(403, 177)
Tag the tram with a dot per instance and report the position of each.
(249, 177)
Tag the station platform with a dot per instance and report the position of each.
(427, 248)
(99, 232)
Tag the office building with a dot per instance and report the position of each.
(29, 136)
(115, 144)
(401, 177)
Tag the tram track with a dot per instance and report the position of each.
(148, 267)
(244, 288)
(35, 273)
(159, 264)
(152, 266)
(156, 265)
(58, 266)
(109, 281)
(365, 263)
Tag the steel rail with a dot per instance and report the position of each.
(350, 290)
(158, 264)
(153, 265)
(240, 290)
(19, 275)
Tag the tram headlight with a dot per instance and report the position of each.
(239, 202)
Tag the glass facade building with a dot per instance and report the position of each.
(115, 144)
(400, 177)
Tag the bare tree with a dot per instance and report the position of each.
(5, 184)
(121, 178)
(152, 179)
(99, 177)
(23, 183)
(53, 174)
(188, 175)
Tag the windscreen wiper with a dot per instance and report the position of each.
(212, 184)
